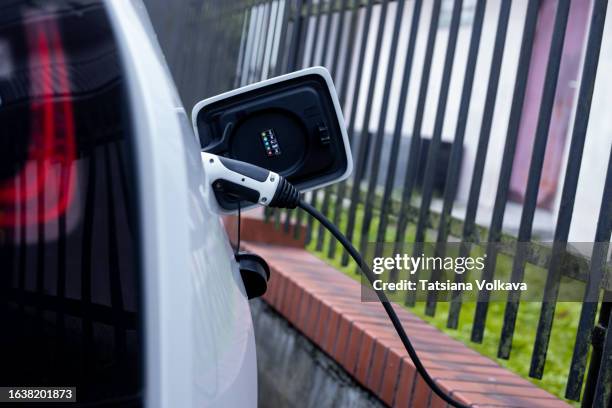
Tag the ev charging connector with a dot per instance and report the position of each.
(234, 181)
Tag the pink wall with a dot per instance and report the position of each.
(552, 175)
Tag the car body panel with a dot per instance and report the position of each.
(199, 340)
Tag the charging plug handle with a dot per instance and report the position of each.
(234, 181)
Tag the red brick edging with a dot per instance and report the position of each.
(325, 305)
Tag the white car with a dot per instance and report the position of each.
(118, 285)
(117, 276)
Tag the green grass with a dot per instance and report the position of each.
(562, 336)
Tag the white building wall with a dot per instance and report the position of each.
(596, 149)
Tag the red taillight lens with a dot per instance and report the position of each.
(45, 184)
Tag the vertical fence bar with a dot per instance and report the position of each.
(303, 57)
(501, 198)
(385, 207)
(279, 65)
(250, 38)
(602, 355)
(348, 44)
(113, 261)
(328, 24)
(574, 161)
(218, 37)
(22, 259)
(234, 52)
(346, 71)
(268, 23)
(334, 74)
(240, 12)
(338, 40)
(599, 335)
(87, 259)
(64, 173)
(41, 251)
(246, 10)
(300, 29)
(218, 34)
(259, 74)
(323, 62)
(231, 53)
(436, 139)
(8, 240)
(243, 45)
(207, 47)
(310, 62)
(342, 97)
(592, 291)
(299, 36)
(280, 39)
(315, 34)
(454, 164)
(259, 40)
(380, 133)
(257, 9)
(203, 47)
(263, 41)
(364, 142)
(40, 241)
(125, 188)
(220, 69)
(535, 172)
(322, 59)
(189, 16)
(266, 71)
(23, 245)
(469, 223)
(411, 169)
(304, 62)
(342, 188)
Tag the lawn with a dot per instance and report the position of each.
(562, 336)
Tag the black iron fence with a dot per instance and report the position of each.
(410, 163)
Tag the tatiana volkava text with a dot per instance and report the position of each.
(494, 285)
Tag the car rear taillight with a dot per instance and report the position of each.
(43, 187)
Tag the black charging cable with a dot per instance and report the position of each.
(246, 181)
(397, 324)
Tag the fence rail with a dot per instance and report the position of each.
(394, 81)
